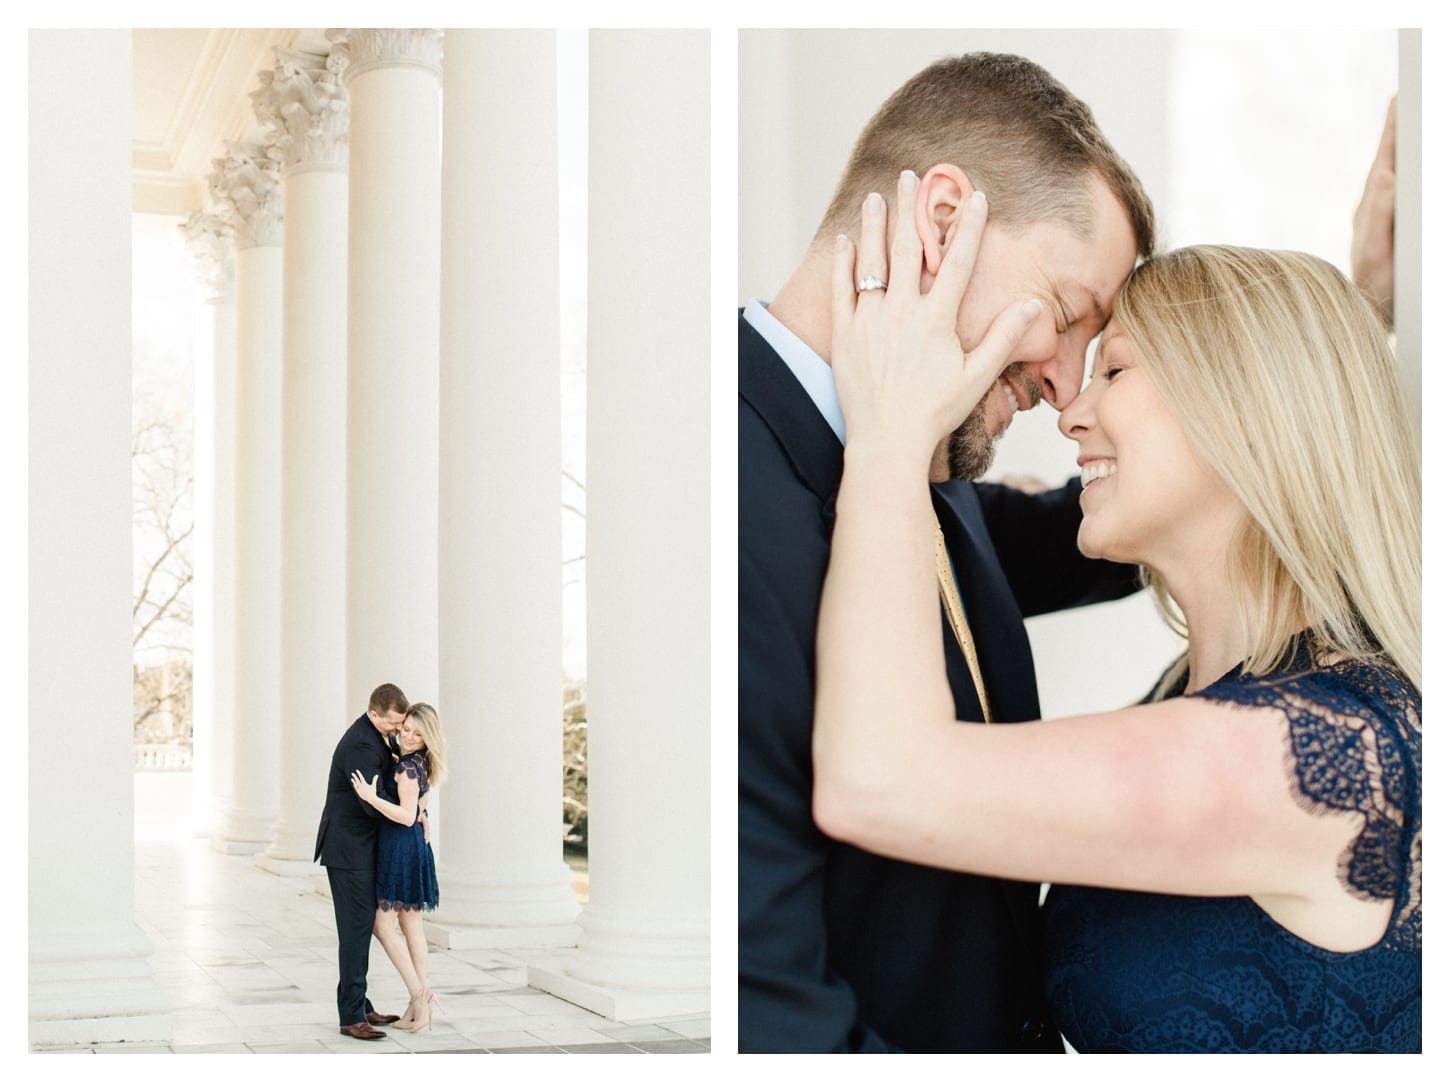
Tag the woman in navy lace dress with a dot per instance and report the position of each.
(1237, 859)
(407, 878)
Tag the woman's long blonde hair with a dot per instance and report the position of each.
(431, 730)
(1283, 380)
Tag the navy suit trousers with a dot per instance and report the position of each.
(353, 903)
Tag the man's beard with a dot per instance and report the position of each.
(970, 447)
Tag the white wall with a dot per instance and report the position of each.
(1257, 138)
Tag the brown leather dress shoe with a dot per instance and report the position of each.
(376, 1019)
(362, 1031)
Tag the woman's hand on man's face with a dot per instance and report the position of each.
(901, 373)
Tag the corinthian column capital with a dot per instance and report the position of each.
(246, 183)
(303, 108)
(366, 50)
(209, 239)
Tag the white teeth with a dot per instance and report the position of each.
(1098, 469)
(1011, 398)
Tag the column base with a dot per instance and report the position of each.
(665, 950)
(513, 906)
(447, 936)
(209, 820)
(236, 848)
(239, 833)
(198, 819)
(288, 867)
(95, 988)
(289, 846)
(617, 1004)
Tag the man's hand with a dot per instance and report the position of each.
(1372, 250)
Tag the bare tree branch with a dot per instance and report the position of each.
(163, 608)
(161, 612)
(160, 565)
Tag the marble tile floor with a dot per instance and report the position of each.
(249, 962)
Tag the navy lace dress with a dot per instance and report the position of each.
(1132, 972)
(407, 878)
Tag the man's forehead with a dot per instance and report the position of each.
(1089, 274)
(1109, 254)
(1092, 302)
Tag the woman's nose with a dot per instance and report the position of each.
(1077, 419)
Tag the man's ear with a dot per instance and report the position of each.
(940, 199)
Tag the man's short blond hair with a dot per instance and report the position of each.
(1018, 134)
(387, 699)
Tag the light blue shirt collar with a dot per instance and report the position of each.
(805, 364)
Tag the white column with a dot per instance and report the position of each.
(89, 979)
(304, 109)
(247, 181)
(502, 877)
(392, 347)
(210, 241)
(644, 951)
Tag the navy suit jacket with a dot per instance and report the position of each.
(841, 950)
(347, 836)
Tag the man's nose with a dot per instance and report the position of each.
(1061, 374)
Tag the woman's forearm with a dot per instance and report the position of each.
(403, 814)
(881, 673)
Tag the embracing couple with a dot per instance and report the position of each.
(373, 840)
(1236, 859)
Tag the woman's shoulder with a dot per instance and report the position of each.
(1320, 685)
(1354, 746)
(1351, 721)
(414, 766)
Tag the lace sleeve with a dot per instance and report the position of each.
(1354, 745)
(413, 767)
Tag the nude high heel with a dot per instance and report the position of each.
(408, 1015)
(421, 1009)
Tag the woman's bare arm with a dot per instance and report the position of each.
(405, 812)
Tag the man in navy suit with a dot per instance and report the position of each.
(841, 950)
(347, 840)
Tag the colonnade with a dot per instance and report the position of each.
(380, 497)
